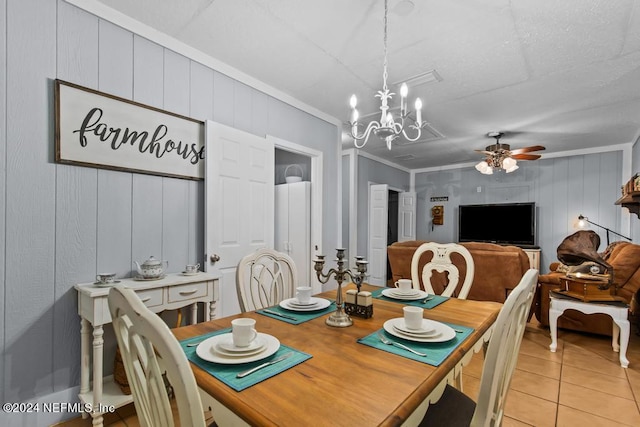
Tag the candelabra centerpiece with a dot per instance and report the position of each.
(339, 318)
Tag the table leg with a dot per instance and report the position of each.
(212, 310)
(85, 361)
(194, 313)
(553, 326)
(615, 337)
(98, 344)
(624, 328)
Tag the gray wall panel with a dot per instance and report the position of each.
(3, 175)
(562, 188)
(62, 224)
(30, 199)
(76, 201)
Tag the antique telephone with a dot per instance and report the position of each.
(437, 215)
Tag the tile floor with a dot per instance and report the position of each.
(581, 384)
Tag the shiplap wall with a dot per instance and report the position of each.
(562, 189)
(61, 224)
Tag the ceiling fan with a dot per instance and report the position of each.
(501, 156)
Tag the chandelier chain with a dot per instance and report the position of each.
(384, 66)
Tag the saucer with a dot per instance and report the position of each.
(442, 332)
(185, 273)
(105, 285)
(228, 346)
(296, 302)
(426, 329)
(316, 304)
(408, 297)
(208, 350)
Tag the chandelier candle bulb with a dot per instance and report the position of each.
(418, 111)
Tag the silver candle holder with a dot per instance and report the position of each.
(339, 318)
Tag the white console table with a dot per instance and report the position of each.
(169, 293)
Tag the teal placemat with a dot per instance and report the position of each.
(297, 317)
(436, 352)
(434, 301)
(227, 373)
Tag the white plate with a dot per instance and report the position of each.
(410, 292)
(391, 294)
(206, 350)
(147, 279)
(295, 302)
(321, 304)
(227, 345)
(443, 332)
(427, 328)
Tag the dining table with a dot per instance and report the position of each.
(343, 376)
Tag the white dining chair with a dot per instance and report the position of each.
(441, 262)
(145, 341)
(265, 278)
(455, 408)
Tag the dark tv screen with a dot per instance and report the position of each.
(511, 223)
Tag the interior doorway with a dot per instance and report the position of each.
(392, 228)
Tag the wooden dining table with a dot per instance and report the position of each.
(344, 383)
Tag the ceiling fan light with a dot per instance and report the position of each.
(511, 169)
(488, 171)
(483, 165)
(509, 164)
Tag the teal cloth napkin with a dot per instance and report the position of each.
(433, 302)
(227, 373)
(436, 352)
(300, 316)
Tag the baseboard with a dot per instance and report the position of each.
(48, 413)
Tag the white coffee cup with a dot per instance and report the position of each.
(404, 285)
(106, 278)
(303, 294)
(413, 317)
(243, 331)
(191, 268)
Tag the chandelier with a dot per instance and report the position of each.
(388, 128)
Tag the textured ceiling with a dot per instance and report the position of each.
(565, 74)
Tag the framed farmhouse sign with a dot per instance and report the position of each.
(104, 131)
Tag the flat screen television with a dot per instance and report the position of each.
(507, 223)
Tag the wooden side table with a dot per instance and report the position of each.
(169, 293)
(618, 313)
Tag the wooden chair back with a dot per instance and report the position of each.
(441, 262)
(265, 278)
(145, 341)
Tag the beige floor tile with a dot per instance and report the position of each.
(569, 417)
(474, 368)
(539, 366)
(530, 409)
(615, 386)
(535, 385)
(595, 402)
(585, 358)
(510, 422)
(537, 345)
(471, 386)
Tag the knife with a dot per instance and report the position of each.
(275, 313)
(264, 365)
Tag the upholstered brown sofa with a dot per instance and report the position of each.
(624, 257)
(498, 269)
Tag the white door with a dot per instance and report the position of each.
(239, 188)
(406, 216)
(378, 223)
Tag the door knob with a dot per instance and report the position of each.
(214, 258)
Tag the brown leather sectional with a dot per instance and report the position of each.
(498, 269)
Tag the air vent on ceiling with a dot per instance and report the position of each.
(431, 76)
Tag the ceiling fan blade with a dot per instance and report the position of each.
(528, 149)
(484, 152)
(526, 156)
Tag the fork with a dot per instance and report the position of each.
(387, 341)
